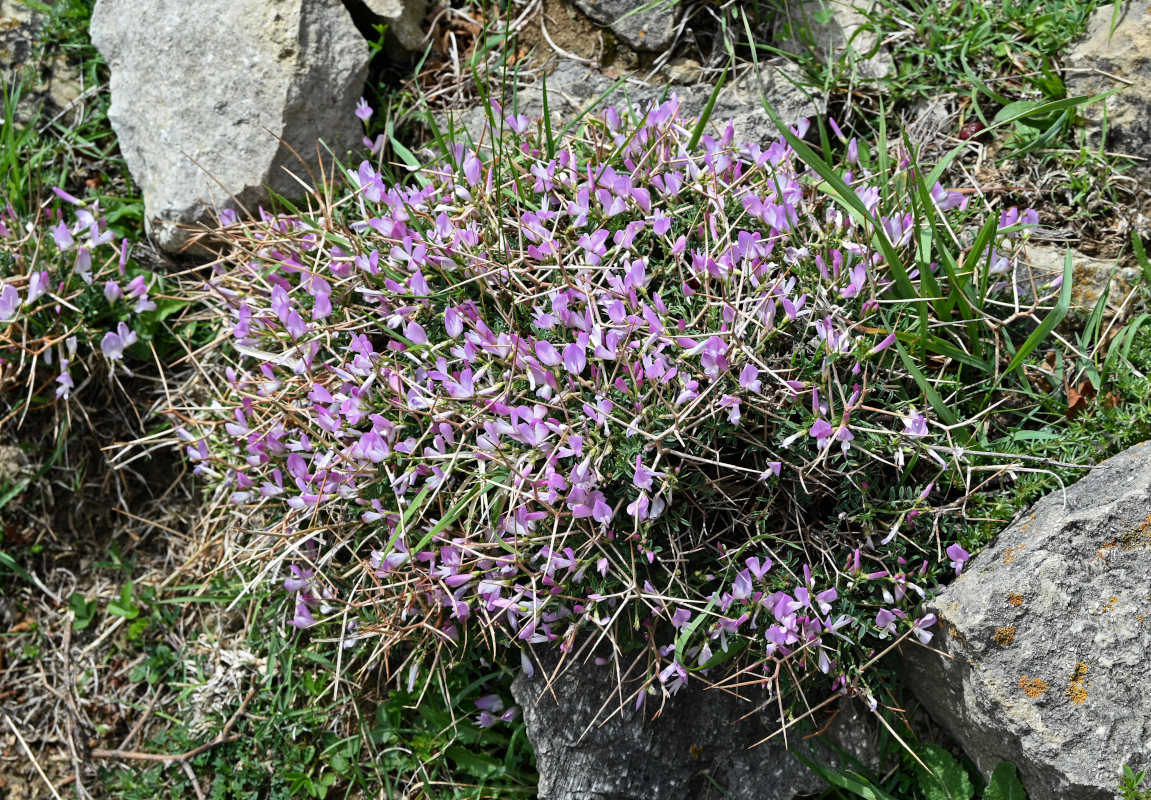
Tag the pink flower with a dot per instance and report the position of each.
(63, 237)
(749, 379)
(920, 626)
(643, 477)
(958, 557)
(114, 343)
(37, 287)
(914, 425)
(363, 110)
(9, 302)
(821, 431)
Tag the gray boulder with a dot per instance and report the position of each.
(835, 30)
(1044, 639)
(1119, 58)
(653, 29)
(695, 744)
(203, 93)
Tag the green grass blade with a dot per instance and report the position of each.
(701, 124)
(933, 398)
(579, 117)
(548, 119)
(848, 781)
(1049, 322)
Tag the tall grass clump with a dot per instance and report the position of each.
(632, 391)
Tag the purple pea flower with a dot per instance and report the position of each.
(519, 123)
(9, 302)
(920, 626)
(915, 424)
(885, 620)
(958, 557)
(547, 354)
(37, 287)
(473, 169)
(886, 343)
(821, 431)
(453, 322)
(749, 379)
(63, 237)
(575, 358)
(66, 383)
(67, 198)
(758, 568)
(303, 618)
(299, 579)
(363, 110)
(643, 476)
(114, 343)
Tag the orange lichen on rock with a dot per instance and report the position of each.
(1005, 636)
(1033, 687)
(1014, 598)
(1077, 690)
(1109, 606)
(1011, 552)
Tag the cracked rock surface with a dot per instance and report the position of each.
(1045, 639)
(697, 746)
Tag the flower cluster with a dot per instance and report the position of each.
(67, 297)
(586, 388)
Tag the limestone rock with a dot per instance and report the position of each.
(404, 19)
(1091, 276)
(835, 30)
(697, 746)
(573, 87)
(18, 27)
(653, 29)
(1045, 639)
(51, 85)
(203, 92)
(1107, 59)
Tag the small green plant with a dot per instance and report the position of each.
(83, 611)
(1130, 785)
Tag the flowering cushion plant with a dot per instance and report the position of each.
(636, 389)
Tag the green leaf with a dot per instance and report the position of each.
(9, 562)
(477, 765)
(941, 408)
(83, 611)
(497, 477)
(850, 781)
(1004, 784)
(1050, 321)
(1046, 108)
(947, 780)
(697, 132)
(1141, 255)
(1020, 109)
(124, 607)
